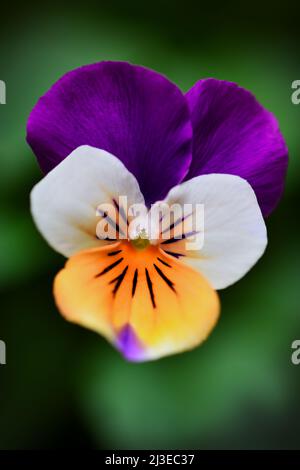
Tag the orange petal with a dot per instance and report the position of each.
(146, 303)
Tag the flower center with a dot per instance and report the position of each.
(141, 241)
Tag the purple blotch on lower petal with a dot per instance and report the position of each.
(129, 344)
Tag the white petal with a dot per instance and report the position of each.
(235, 234)
(65, 202)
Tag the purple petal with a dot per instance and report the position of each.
(132, 112)
(234, 134)
(129, 345)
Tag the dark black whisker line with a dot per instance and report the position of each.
(114, 280)
(107, 239)
(181, 237)
(164, 262)
(165, 278)
(173, 253)
(119, 275)
(173, 240)
(178, 221)
(134, 282)
(111, 222)
(111, 266)
(119, 280)
(150, 287)
(121, 211)
(113, 253)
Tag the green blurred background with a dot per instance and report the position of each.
(63, 386)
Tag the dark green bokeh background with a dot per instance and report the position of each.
(64, 387)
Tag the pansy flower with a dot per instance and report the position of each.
(112, 129)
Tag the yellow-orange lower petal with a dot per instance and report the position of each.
(145, 302)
